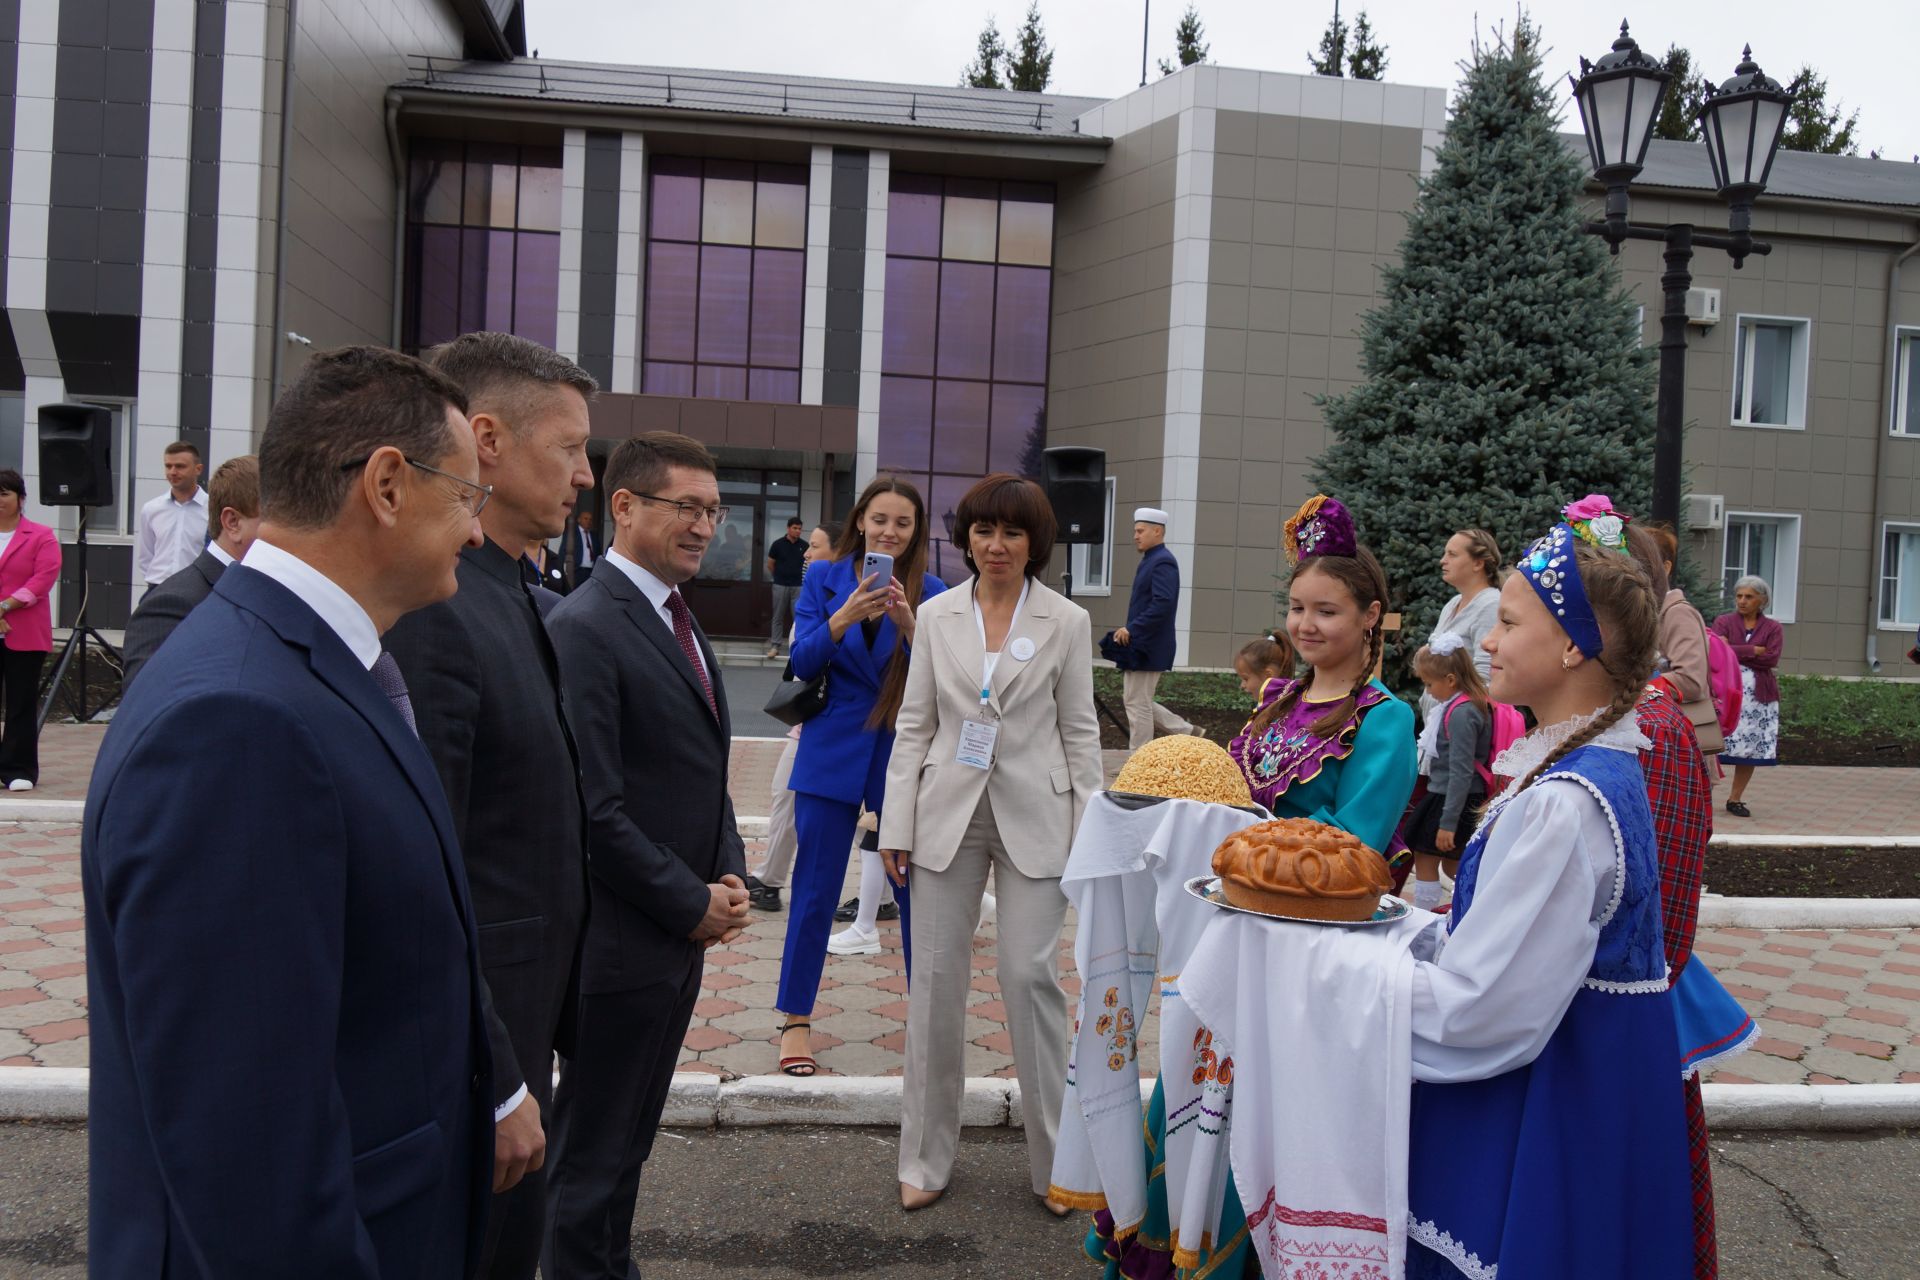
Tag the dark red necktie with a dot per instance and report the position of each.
(683, 632)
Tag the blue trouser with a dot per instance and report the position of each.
(824, 830)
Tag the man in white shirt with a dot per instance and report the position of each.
(284, 985)
(172, 527)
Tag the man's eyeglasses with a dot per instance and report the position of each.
(476, 494)
(689, 512)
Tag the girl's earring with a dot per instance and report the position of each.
(1566, 664)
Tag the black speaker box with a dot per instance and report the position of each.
(1076, 484)
(75, 468)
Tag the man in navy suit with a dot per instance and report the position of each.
(1149, 633)
(290, 1064)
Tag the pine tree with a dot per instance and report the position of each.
(1366, 60)
(1814, 126)
(1030, 64)
(1186, 42)
(1503, 372)
(1331, 58)
(984, 71)
(1679, 118)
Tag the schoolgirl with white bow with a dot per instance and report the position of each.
(1547, 1138)
(1455, 747)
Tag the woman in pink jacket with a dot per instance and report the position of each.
(29, 566)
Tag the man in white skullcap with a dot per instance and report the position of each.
(1149, 634)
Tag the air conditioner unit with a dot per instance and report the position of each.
(1700, 511)
(1703, 307)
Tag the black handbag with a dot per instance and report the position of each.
(794, 702)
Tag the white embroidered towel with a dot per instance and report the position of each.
(1125, 877)
(1313, 1022)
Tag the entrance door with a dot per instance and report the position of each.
(733, 594)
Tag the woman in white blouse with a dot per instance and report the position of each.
(1547, 1137)
(1470, 564)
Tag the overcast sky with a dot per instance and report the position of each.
(1866, 48)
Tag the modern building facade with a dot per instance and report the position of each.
(823, 279)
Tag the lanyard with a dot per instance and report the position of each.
(992, 660)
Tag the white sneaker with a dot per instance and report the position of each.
(20, 784)
(989, 912)
(854, 941)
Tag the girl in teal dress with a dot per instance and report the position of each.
(1334, 746)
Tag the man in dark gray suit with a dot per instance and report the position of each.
(233, 506)
(485, 683)
(645, 699)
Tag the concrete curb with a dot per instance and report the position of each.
(42, 810)
(1721, 839)
(1809, 913)
(701, 1100)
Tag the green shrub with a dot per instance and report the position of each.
(1878, 709)
(1213, 690)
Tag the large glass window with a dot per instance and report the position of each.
(1770, 372)
(1900, 576)
(726, 279)
(1767, 546)
(1906, 394)
(483, 242)
(964, 353)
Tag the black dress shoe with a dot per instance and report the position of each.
(763, 897)
(1739, 809)
(849, 911)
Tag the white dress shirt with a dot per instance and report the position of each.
(169, 535)
(321, 594)
(220, 553)
(355, 628)
(656, 593)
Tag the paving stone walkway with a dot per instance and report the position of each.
(1834, 1006)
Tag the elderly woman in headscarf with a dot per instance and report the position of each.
(1756, 641)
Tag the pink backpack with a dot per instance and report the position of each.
(1723, 680)
(1508, 727)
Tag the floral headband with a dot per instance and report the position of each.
(1321, 527)
(1554, 571)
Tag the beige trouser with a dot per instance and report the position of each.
(1144, 715)
(946, 908)
(781, 840)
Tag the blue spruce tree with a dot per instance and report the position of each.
(1503, 371)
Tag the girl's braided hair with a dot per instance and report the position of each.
(1624, 603)
(1366, 582)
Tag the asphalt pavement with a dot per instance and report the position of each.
(747, 692)
(775, 1203)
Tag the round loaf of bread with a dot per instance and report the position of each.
(1298, 867)
(1183, 767)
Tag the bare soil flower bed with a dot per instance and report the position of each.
(1746, 872)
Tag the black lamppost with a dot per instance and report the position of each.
(1619, 99)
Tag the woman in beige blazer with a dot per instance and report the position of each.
(997, 754)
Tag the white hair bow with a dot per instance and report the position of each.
(1446, 644)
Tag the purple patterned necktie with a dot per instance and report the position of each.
(683, 632)
(386, 673)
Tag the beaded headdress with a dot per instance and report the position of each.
(1553, 571)
(1321, 527)
(1595, 521)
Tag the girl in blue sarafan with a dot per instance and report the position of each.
(1547, 1137)
(1335, 746)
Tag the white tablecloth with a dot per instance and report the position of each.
(1307, 1090)
(1135, 924)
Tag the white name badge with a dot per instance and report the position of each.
(1021, 649)
(977, 737)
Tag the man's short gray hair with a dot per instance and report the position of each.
(1754, 582)
(498, 370)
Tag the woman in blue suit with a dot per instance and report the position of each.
(859, 632)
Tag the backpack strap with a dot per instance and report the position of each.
(1480, 766)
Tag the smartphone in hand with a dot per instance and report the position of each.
(878, 566)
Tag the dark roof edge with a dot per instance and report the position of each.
(519, 105)
(487, 36)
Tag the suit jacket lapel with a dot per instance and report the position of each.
(959, 633)
(647, 619)
(13, 544)
(340, 670)
(1035, 623)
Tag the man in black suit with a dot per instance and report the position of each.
(233, 501)
(290, 1069)
(645, 699)
(486, 692)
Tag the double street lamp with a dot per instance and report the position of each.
(1619, 98)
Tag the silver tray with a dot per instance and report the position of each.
(1133, 800)
(1207, 889)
